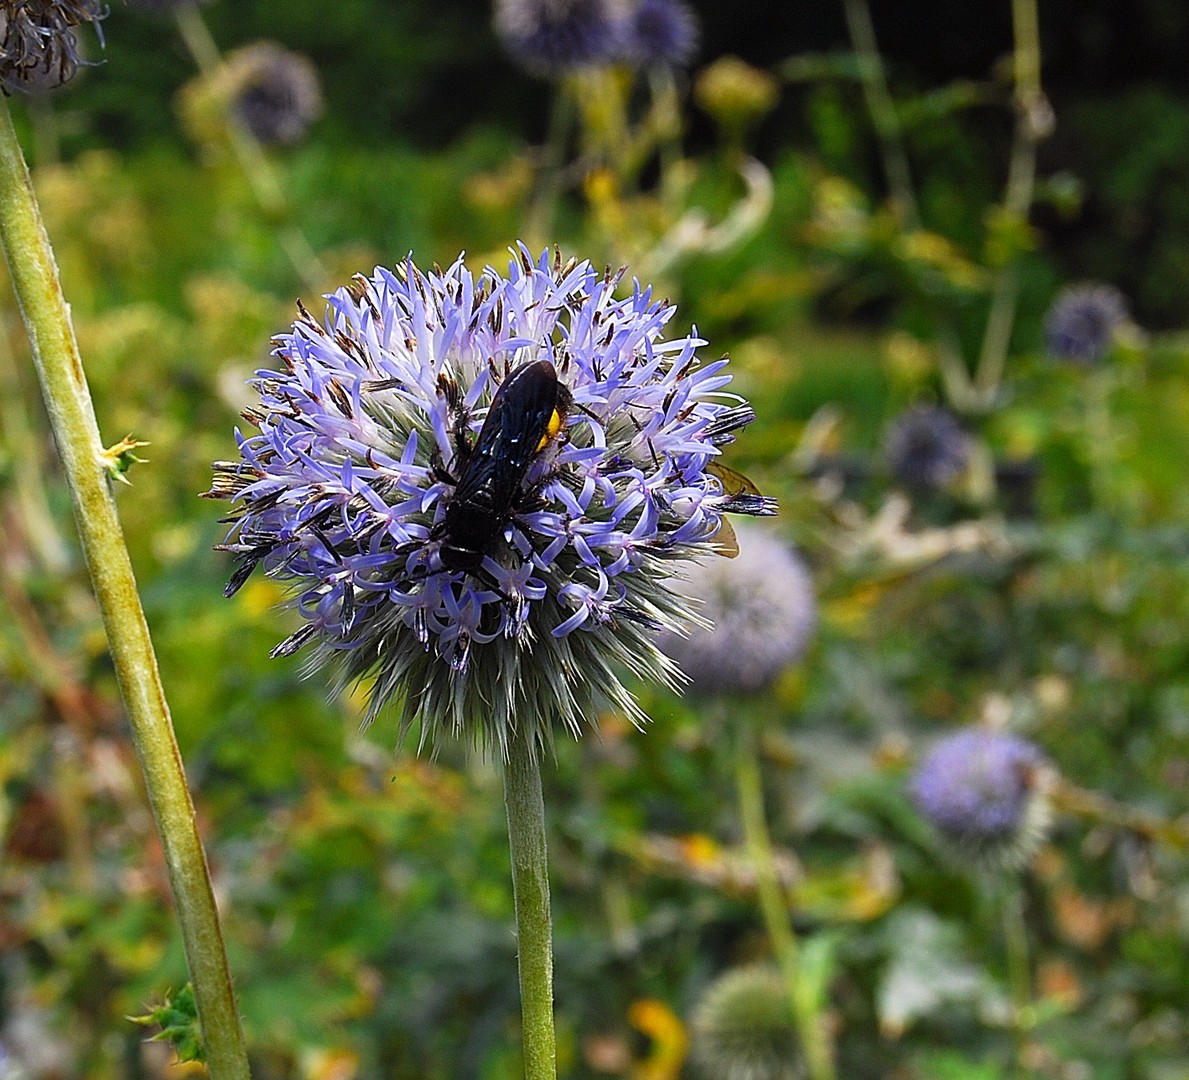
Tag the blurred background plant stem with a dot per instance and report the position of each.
(525, 805)
(1033, 123)
(261, 177)
(34, 275)
(774, 906)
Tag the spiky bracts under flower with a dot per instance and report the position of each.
(761, 611)
(39, 46)
(925, 447)
(1082, 322)
(345, 490)
(987, 793)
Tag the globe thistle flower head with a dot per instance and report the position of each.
(926, 447)
(760, 612)
(480, 489)
(986, 793)
(743, 1029)
(274, 94)
(552, 37)
(661, 33)
(39, 47)
(1082, 322)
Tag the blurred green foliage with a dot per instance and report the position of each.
(366, 894)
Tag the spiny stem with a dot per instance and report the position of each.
(775, 909)
(525, 806)
(72, 417)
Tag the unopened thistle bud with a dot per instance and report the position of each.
(1082, 322)
(987, 794)
(761, 611)
(660, 33)
(743, 1029)
(274, 94)
(552, 37)
(926, 448)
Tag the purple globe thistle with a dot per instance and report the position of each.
(1081, 323)
(660, 33)
(761, 610)
(926, 447)
(365, 437)
(743, 1028)
(552, 37)
(986, 792)
(275, 94)
(39, 46)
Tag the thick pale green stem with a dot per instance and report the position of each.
(530, 884)
(68, 402)
(1032, 120)
(775, 909)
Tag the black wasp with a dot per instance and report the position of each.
(527, 413)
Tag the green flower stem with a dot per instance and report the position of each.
(562, 116)
(266, 188)
(1019, 967)
(530, 885)
(882, 109)
(1031, 126)
(72, 417)
(775, 909)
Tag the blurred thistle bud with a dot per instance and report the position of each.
(987, 793)
(552, 37)
(39, 47)
(926, 448)
(762, 613)
(743, 1028)
(660, 33)
(274, 94)
(1082, 322)
(736, 94)
(481, 488)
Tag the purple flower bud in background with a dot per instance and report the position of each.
(986, 793)
(480, 489)
(762, 613)
(926, 447)
(660, 33)
(275, 94)
(39, 47)
(552, 37)
(1082, 322)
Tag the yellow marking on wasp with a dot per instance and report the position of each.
(555, 422)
